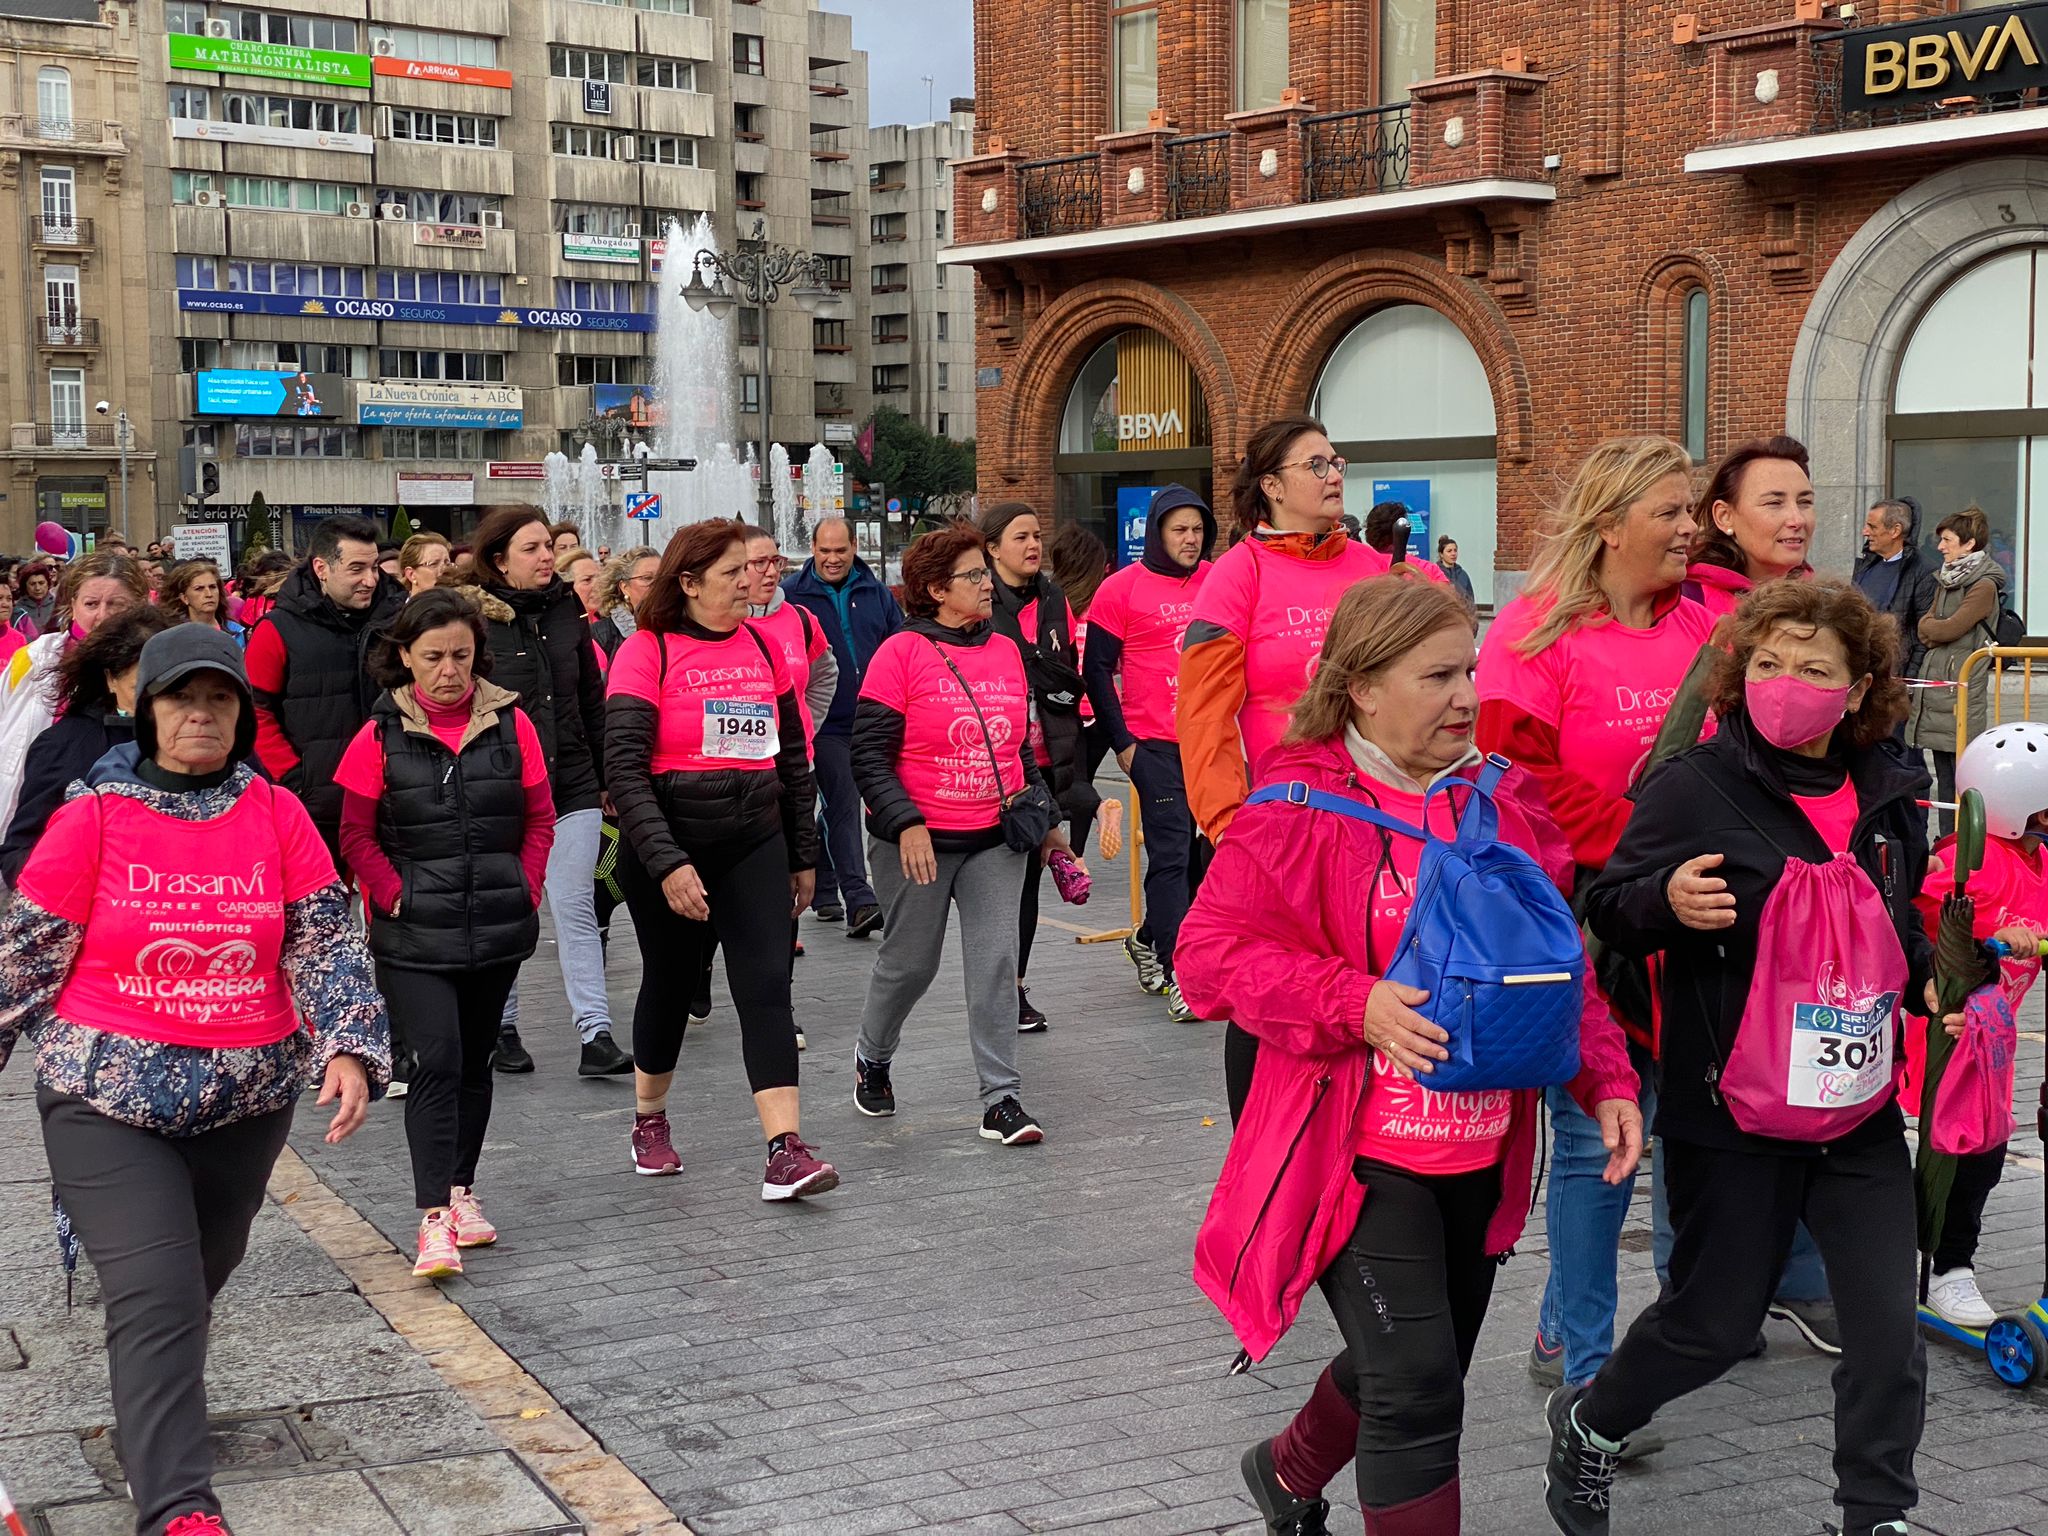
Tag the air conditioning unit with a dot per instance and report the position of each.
(383, 47)
(360, 210)
(220, 28)
(381, 124)
(630, 232)
(396, 211)
(622, 149)
(491, 218)
(206, 198)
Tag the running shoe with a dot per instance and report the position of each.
(1546, 1361)
(198, 1523)
(1029, 1020)
(473, 1228)
(872, 1092)
(653, 1152)
(603, 1058)
(1287, 1513)
(1007, 1122)
(398, 1088)
(1815, 1321)
(1151, 970)
(828, 911)
(1579, 1476)
(700, 1009)
(1177, 1009)
(864, 921)
(510, 1056)
(437, 1256)
(794, 1170)
(1953, 1296)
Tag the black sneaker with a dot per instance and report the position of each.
(510, 1056)
(865, 920)
(1007, 1122)
(1580, 1472)
(1882, 1528)
(1287, 1514)
(828, 911)
(603, 1058)
(1815, 1321)
(873, 1094)
(1029, 1020)
(700, 1009)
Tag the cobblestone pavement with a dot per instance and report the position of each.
(969, 1338)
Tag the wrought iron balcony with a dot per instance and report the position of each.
(1060, 196)
(1352, 154)
(1198, 175)
(1830, 115)
(68, 331)
(85, 132)
(74, 435)
(43, 229)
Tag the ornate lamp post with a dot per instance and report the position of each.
(756, 274)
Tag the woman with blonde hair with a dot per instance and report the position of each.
(624, 583)
(1574, 679)
(421, 560)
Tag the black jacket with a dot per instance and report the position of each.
(1052, 665)
(878, 744)
(1706, 975)
(327, 693)
(543, 651)
(671, 818)
(1913, 595)
(1105, 652)
(60, 754)
(453, 824)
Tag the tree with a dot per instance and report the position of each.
(934, 474)
(256, 537)
(401, 526)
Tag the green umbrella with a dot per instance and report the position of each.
(1960, 967)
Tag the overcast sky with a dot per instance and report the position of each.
(905, 41)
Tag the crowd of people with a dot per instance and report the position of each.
(299, 828)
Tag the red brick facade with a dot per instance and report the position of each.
(1575, 306)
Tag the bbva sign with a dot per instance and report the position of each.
(1144, 426)
(1966, 54)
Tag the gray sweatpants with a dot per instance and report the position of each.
(984, 886)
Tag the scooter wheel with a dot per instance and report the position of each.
(2016, 1347)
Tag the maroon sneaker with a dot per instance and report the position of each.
(653, 1152)
(794, 1171)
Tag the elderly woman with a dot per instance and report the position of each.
(1346, 1168)
(1969, 589)
(1774, 867)
(421, 560)
(167, 1065)
(624, 583)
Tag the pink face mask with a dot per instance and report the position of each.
(1789, 711)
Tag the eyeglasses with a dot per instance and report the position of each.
(641, 580)
(1320, 465)
(977, 577)
(768, 564)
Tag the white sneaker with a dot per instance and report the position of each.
(1953, 1296)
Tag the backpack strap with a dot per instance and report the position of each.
(1480, 821)
(1701, 773)
(1298, 793)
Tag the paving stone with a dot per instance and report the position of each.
(485, 1495)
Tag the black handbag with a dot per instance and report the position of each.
(1028, 816)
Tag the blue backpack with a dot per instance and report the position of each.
(1489, 938)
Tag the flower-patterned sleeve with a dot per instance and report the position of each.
(332, 980)
(37, 948)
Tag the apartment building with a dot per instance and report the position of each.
(921, 323)
(409, 247)
(73, 323)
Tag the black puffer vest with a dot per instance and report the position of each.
(453, 824)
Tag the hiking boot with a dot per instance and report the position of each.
(1286, 1513)
(510, 1056)
(873, 1094)
(1029, 1020)
(1007, 1122)
(1151, 972)
(795, 1171)
(1580, 1472)
(1815, 1321)
(437, 1256)
(603, 1058)
(653, 1153)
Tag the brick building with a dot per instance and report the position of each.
(1477, 239)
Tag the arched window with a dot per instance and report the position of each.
(1692, 399)
(1135, 420)
(53, 101)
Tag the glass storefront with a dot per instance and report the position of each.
(1135, 420)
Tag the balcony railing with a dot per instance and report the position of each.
(1829, 115)
(53, 130)
(74, 434)
(1198, 175)
(1060, 196)
(69, 331)
(1352, 154)
(44, 230)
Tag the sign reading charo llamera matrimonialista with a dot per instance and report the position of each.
(1967, 53)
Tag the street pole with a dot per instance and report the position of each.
(121, 427)
(764, 495)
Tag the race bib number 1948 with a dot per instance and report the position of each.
(741, 730)
(1840, 1056)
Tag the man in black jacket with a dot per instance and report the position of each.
(1894, 574)
(307, 662)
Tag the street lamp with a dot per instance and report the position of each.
(123, 431)
(756, 274)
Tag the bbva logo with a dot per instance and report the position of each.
(1145, 425)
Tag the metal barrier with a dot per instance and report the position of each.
(1134, 839)
(1994, 711)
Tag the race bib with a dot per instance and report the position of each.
(735, 729)
(1840, 1056)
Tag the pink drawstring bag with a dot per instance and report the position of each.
(1973, 1106)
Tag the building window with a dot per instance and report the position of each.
(53, 101)
(295, 31)
(750, 327)
(828, 335)
(1693, 399)
(893, 379)
(191, 101)
(746, 54)
(196, 272)
(1261, 53)
(574, 139)
(940, 281)
(939, 223)
(943, 317)
(586, 64)
(454, 367)
(186, 17)
(1133, 64)
(945, 375)
(1407, 46)
(295, 356)
(669, 149)
(301, 112)
(60, 303)
(601, 294)
(67, 405)
(665, 74)
(746, 122)
(943, 424)
(260, 440)
(431, 47)
(325, 282)
(203, 440)
(888, 328)
(443, 207)
(60, 205)
(197, 352)
(746, 187)
(442, 287)
(279, 192)
(571, 369)
(750, 393)
(464, 128)
(435, 443)
(838, 271)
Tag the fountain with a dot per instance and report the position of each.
(693, 388)
(555, 469)
(821, 487)
(782, 491)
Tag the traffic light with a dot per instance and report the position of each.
(209, 480)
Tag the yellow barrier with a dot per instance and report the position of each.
(1998, 655)
(1134, 837)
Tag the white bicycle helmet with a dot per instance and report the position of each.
(2008, 766)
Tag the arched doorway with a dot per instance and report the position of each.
(1406, 400)
(1135, 420)
(1969, 419)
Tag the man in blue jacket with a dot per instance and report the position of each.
(857, 613)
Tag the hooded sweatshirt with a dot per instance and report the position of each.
(1136, 623)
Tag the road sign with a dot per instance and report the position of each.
(668, 463)
(644, 507)
(895, 504)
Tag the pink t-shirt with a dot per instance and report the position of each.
(1278, 605)
(1149, 614)
(714, 703)
(1605, 687)
(1404, 1122)
(2009, 886)
(800, 643)
(1833, 815)
(362, 765)
(184, 920)
(944, 765)
(1720, 589)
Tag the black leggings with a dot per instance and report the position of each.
(748, 890)
(1410, 1291)
(1976, 1176)
(450, 1020)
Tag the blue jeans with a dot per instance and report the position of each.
(571, 888)
(847, 877)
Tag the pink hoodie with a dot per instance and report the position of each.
(1276, 941)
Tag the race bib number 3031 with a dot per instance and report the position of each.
(736, 729)
(1840, 1056)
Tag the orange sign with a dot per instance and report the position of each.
(447, 74)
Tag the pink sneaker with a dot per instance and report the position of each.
(653, 1152)
(438, 1258)
(795, 1171)
(198, 1523)
(473, 1228)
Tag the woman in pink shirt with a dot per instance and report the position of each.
(1756, 523)
(446, 820)
(1346, 1168)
